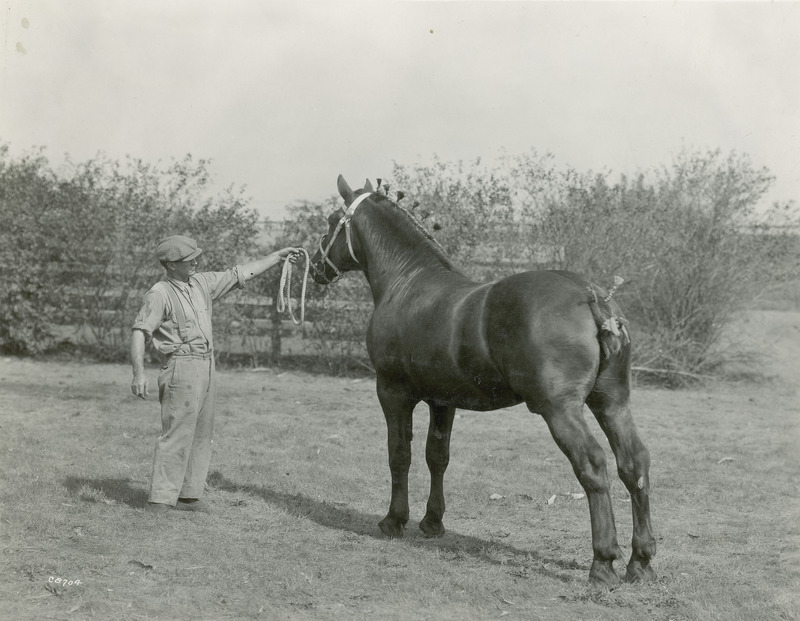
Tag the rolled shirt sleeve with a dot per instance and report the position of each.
(221, 283)
(151, 315)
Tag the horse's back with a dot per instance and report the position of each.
(546, 303)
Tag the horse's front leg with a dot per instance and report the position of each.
(437, 454)
(398, 410)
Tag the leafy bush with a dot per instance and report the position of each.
(28, 301)
(686, 243)
(79, 247)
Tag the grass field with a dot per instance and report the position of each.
(300, 479)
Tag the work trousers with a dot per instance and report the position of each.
(187, 392)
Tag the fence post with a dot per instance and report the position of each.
(275, 333)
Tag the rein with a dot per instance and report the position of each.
(344, 221)
(285, 289)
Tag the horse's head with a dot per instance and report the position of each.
(337, 248)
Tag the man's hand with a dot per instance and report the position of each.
(139, 386)
(259, 266)
(292, 253)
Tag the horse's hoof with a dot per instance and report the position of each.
(602, 573)
(432, 527)
(391, 527)
(640, 571)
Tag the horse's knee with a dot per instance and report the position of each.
(437, 460)
(400, 458)
(437, 467)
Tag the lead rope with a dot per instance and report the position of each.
(285, 289)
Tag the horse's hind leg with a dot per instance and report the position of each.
(398, 411)
(437, 454)
(612, 412)
(588, 460)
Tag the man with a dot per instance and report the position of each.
(176, 317)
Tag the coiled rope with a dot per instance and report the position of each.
(285, 289)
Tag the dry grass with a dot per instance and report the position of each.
(299, 482)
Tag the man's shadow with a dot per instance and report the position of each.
(340, 517)
(122, 491)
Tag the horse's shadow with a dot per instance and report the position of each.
(339, 516)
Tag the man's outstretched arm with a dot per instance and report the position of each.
(259, 266)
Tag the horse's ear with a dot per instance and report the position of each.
(368, 186)
(344, 190)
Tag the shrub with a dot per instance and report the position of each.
(79, 248)
(29, 301)
(685, 242)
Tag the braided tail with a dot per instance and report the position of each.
(612, 326)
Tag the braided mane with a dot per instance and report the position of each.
(434, 244)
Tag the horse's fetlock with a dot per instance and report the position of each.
(608, 553)
(644, 548)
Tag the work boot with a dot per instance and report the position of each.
(192, 504)
(157, 507)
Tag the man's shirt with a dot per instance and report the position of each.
(185, 329)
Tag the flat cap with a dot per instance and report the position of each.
(177, 248)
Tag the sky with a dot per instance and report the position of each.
(282, 97)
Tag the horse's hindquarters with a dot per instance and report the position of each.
(541, 335)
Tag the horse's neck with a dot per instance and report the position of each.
(396, 252)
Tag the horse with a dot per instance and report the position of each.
(549, 339)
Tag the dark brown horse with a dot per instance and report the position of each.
(546, 338)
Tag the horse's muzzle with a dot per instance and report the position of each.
(318, 271)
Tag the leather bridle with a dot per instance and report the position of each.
(344, 222)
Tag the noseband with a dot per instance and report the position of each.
(344, 222)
